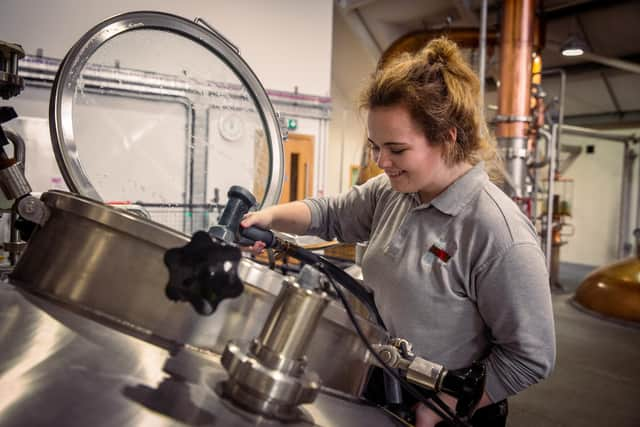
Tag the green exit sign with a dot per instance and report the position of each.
(292, 124)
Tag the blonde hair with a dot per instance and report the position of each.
(441, 92)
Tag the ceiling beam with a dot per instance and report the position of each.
(588, 67)
(567, 10)
(611, 119)
(580, 7)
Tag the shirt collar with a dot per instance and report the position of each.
(461, 191)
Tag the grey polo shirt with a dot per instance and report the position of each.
(462, 277)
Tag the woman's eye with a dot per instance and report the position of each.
(397, 151)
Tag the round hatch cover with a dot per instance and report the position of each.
(152, 109)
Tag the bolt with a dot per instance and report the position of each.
(30, 206)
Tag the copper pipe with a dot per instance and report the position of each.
(515, 67)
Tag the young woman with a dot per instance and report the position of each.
(455, 265)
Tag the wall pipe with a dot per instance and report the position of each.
(483, 52)
(550, 176)
(563, 87)
(45, 69)
(635, 232)
(625, 201)
(535, 166)
(598, 134)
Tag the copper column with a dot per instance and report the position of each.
(514, 110)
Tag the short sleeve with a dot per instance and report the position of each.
(347, 217)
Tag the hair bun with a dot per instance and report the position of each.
(440, 51)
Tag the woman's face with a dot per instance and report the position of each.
(401, 149)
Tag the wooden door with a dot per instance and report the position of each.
(298, 168)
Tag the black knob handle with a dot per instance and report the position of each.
(240, 200)
(203, 273)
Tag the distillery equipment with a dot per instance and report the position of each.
(112, 318)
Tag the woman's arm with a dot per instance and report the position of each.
(514, 299)
(346, 217)
(294, 217)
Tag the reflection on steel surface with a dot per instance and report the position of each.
(59, 368)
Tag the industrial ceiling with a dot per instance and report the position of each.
(603, 85)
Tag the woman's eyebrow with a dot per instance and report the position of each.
(387, 143)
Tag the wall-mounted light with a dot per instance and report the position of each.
(573, 46)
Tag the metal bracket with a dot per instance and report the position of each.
(216, 33)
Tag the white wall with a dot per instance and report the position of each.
(596, 203)
(351, 66)
(286, 42)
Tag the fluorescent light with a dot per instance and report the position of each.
(573, 46)
(572, 52)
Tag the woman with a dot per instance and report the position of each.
(455, 265)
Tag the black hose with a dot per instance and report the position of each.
(442, 409)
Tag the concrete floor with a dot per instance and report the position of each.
(596, 381)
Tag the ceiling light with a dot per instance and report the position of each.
(573, 46)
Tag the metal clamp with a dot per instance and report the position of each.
(284, 129)
(417, 370)
(512, 118)
(33, 209)
(516, 153)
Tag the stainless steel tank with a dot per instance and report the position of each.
(109, 264)
(89, 337)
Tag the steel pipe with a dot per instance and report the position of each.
(629, 158)
(483, 52)
(594, 133)
(551, 176)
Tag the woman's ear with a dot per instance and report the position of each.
(453, 135)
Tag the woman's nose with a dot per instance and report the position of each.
(382, 159)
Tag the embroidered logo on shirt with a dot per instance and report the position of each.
(434, 252)
(440, 253)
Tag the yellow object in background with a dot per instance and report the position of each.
(368, 168)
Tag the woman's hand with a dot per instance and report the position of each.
(425, 417)
(262, 219)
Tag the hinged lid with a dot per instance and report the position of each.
(153, 109)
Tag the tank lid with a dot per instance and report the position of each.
(115, 218)
(151, 107)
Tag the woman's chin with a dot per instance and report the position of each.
(401, 187)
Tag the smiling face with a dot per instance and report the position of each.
(402, 150)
